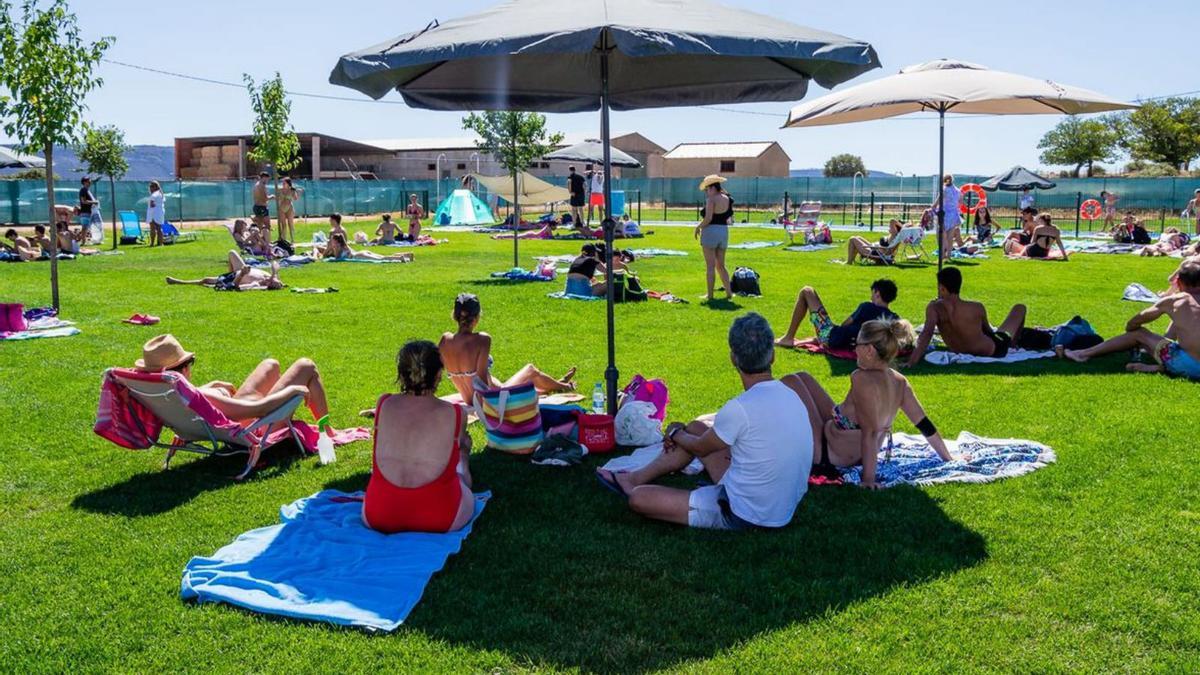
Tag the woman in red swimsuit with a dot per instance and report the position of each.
(419, 476)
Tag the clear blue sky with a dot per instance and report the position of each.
(1123, 49)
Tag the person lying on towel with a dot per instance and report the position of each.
(839, 336)
(468, 358)
(262, 392)
(757, 450)
(338, 249)
(22, 247)
(852, 432)
(963, 324)
(240, 277)
(1175, 353)
(1043, 237)
(420, 478)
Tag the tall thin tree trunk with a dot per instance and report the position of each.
(516, 215)
(112, 198)
(49, 153)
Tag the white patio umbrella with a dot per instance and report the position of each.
(556, 56)
(11, 159)
(944, 86)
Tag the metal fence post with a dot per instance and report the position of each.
(180, 184)
(1078, 206)
(872, 210)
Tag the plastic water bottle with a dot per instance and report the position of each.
(325, 451)
(598, 407)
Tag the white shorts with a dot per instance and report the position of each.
(708, 508)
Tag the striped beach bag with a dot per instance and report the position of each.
(510, 418)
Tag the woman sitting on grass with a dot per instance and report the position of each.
(468, 358)
(583, 270)
(420, 478)
(240, 277)
(385, 234)
(854, 430)
(338, 249)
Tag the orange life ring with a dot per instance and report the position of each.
(1090, 209)
(981, 199)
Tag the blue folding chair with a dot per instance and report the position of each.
(131, 227)
(171, 234)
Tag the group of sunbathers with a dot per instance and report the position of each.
(39, 246)
(581, 275)
(1036, 237)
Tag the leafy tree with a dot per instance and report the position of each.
(1078, 142)
(1166, 131)
(514, 139)
(46, 72)
(102, 150)
(275, 141)
(844, 166)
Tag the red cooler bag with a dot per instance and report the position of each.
(597, 432)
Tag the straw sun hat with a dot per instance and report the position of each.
(712, 179)
(162, 353)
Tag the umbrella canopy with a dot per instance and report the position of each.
(950, 86)
(944, 86)
(1017, 179)
(592, 152)
(531, 189)
(545, 55)
(555, 56)
(11, 159)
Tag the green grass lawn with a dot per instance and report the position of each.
(1088, 565)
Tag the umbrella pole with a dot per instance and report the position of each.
(941, 207)
(610, 374)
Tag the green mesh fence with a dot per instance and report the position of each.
(24, 202)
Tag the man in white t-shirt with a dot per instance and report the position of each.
(758, 450)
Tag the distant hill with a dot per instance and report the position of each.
(146, 162)
(820, 173)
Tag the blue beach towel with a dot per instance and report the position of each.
(322, 564)
(913, 462)
(656, 252)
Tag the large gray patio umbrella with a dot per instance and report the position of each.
(556, 56)
(944, 86)
(592, 152)
(11, 159)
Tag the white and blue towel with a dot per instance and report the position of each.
(913, 462)
(322, 564)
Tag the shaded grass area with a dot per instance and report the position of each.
(1087, 565)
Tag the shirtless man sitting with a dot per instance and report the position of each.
(21, 246)
(1177, 352)
(963, 324)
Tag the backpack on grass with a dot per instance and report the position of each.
(745, 282)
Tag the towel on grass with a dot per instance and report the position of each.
(751, 245)
(314, 291)
(362, 260)
(913, 462)
(423, 240)
(1014, 355)
(1108, 247)
(520, 275)
(322, 564)
(1138, 293)
(812, 346)
(563, 295)
(45, 327)
(808, 248)
(290, 261)
(655, 252)
(556, 258)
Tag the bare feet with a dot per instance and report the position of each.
(570, 375)
(1143, 368)
(1075, 355)
(172, 281)
(788, 342)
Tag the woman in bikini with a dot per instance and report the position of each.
(415, 214)
(1045, 235)
(852, 431)
(338, 249)
(1172, 240)
(285, 196)
(420, 478)
(468, 359)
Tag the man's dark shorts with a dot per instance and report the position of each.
(261, 211)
